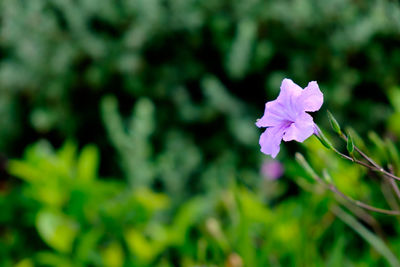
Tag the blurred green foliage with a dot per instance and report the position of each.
(167, 93)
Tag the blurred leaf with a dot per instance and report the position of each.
(239, 56)
(24, 171)
(380, 145)
(47, 258)
(368, 236)
(57, 230)
(87, 244)
(133, 144)
(393, 124)
(394, 98)
(326, 176)
(189, 214)
(66, 157)
(24, 263)
(252, 208)
(151, 200)
(88, 163)
(113, 255)
(336, 257)
(306, 166)
(140, 246)
(213, 227)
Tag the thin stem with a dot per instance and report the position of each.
(365, 216)
(335, 190)
(366, 165)
(389, 195)
(375, 167)
(368, 236)
(355, 160)
(394, 184)
(361, 204)
(361, 213)
(395, 187)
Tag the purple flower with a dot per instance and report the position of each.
(287, 118)
(272, 169)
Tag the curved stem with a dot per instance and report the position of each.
(364, 216)
(375, 167)
(335, 190)
(393, 183)
(354, 160)
(366, 165)
(359, 203)
(368, 236)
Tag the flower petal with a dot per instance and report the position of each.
(273, 115)
(271, 139)
(288, 99)
(301, 129)
(311, 98)
(289, 90)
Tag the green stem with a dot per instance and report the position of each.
(335, 190)
(375, 167)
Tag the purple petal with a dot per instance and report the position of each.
(284, 108)
(311, 97)
(289, 90)
(301, 129)
(288, 99)
(271, 139)
(273, 115)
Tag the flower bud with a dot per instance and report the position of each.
(350, 144)
(322, 138)
(335, 125)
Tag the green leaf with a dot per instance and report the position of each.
(66, 157)
(113, 254)
(47, 258)
(394, 98)
(151, 200)
(380, 153)
(393, 123)
(56, 229)
(24, 171)
(87, 243)
(240, 54)
(88, 163)
(335, 125)
(24, 263)
(139, 245)
(336, 256)
(376, 140)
